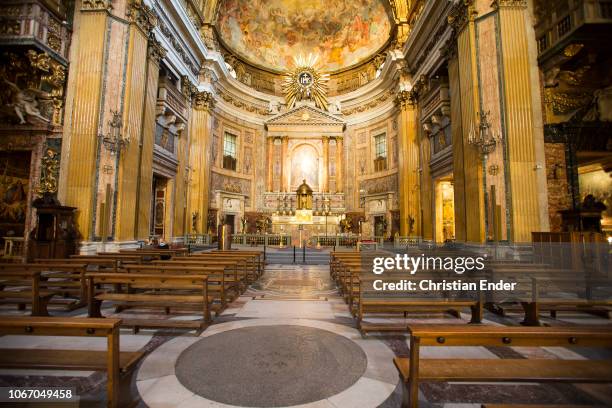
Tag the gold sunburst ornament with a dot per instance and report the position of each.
(305, 82)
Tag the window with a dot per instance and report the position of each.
(380, 146)
(229, 151)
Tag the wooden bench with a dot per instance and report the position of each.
(158, 291)
(248, 263)
(414, 369)
(119, 365)
(537, 293)
(258, 256)
(21, 287)
(68, 280)
(223, 284)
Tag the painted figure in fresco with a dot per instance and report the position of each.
(342, 32)
(24, 102)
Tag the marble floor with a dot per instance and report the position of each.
(307, 323)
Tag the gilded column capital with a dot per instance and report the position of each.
(325, 139)
(141, 15)
(203, 100)
(188, 89)
(96, 5)
(460, 14)
(497, 4)
(405, 99)
(156, 51)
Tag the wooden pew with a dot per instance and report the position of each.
(245, 273)
(119, 365)
(98, 263)
(65, 279)
(160, 291)
(414, 369)
(23, 287)
(258, 257)
(223, 284)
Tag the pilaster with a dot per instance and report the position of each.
(82, 116)
(200, 129)
(408, 166)
(521, 130)
(143, 204)
(471, 181)
(142, 22)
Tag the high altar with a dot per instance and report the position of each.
(305, 189)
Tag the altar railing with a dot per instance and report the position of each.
(406, 242)
(261, 239)
(342, 240)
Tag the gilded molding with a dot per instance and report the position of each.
(509, 4)
(96, 5)
(156, 51)
(187, 88)
(461, 14)
(49, 172)
(142, 16)
(203, 100)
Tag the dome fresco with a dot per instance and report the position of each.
(269, 33)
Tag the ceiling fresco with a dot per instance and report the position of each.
(269, 33)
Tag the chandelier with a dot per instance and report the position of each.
(484, 139)
(114, 140)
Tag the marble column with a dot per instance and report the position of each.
(284, 186)
(339, 164)
(325, 180)
(270, 178)
(408, 166)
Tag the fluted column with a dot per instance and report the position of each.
(200, 128)
(142, 21)
(523, 132)
(339, 164)
(325, 184)
(143, 204)
(469, 183)
(408, 166)
(284, 173)
(270, 179)
(82, 114)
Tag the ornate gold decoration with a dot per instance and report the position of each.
(49, 173)
(406, 98)
(509, 3)
(566, 102)
(142, 16)
(156, 51)
(305, 82)
(203, 100)
(572, 49)
(95, 5)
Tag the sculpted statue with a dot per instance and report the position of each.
(24, 102)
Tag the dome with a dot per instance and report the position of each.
(271, 33)
(304, 188)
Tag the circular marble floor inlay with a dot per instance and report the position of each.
(271, 366)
